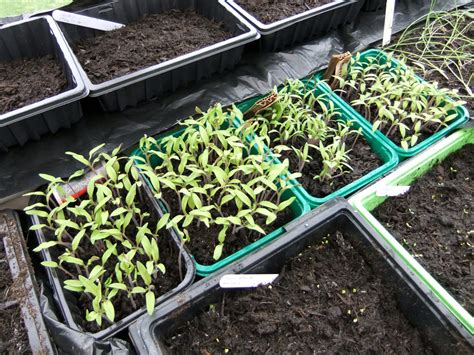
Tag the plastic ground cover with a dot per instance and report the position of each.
(367, 200)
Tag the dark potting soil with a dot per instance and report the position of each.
(362, 160)
(152, 40)
(13, 335)
(203, 240)
(268, 11)
(433, 221)
(168, 253)
(23, 82)
(328, 299)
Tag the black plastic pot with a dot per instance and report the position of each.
(301, 27)
(33, 38)
(22, 275)
(151, 82)
(67, 301)
(419, 306)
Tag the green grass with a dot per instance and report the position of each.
(18, 7)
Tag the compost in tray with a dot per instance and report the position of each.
(23, 82)
(13, 335)
(328, 299)
(151, 40)
(268, 11)
(433, 221)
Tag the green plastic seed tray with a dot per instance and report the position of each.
(381, 148)
(298, 208)
(367, 200)
(462, 113)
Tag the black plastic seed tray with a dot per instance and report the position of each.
(153, 81)
(301, 27)
(25, 286)
(33, 38)
(437, 326)
(67, 301)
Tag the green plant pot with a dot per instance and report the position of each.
(367, 200)
(379, 147)
(298, 208)
(462, 113)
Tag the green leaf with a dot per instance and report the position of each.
(45, 245)
(131, 195)
(96, 272)
(161, 267)
(218, 251)
(138, 289)
(77, 239)
(163, 221)
(80, 158)
(243, 197)
(109, 310)
(144, 273)
(118, 286)
(49, 178)
(150, 302)
(49, 263)
(283, 205)
(37, 226)
(38, 213)
(118, 211)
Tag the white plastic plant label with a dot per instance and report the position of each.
(85, 21)
(246, 280)
(392, 190)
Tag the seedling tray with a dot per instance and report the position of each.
(367, 200)
(67, 300)
(301, 27)
(298, 208)
(153, 81)
(23, 284)
(462, 113)
(32, 38)
(418, 305)
(381, 148)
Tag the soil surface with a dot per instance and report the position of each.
(362, 160)
(434, 221)
(23, 82)
(152, 40)
(327, 300)
(13, 335)
(268, 11)
(203, 240)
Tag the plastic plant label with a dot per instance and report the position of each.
(85, 21)
(246, 280)
(392, 190)
(78, 187)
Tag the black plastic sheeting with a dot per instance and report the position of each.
(257, 74)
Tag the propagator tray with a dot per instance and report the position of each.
(67, 300)
(461, 111)
(413, 298)
(151, 82)
(386, 154)
(367, 200)
(23, 279)
(32, 38)
(301, 27)
(298, 208)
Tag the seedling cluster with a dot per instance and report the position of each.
(105, 243)
(217, 177)
(395, 101)
(308, 127)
